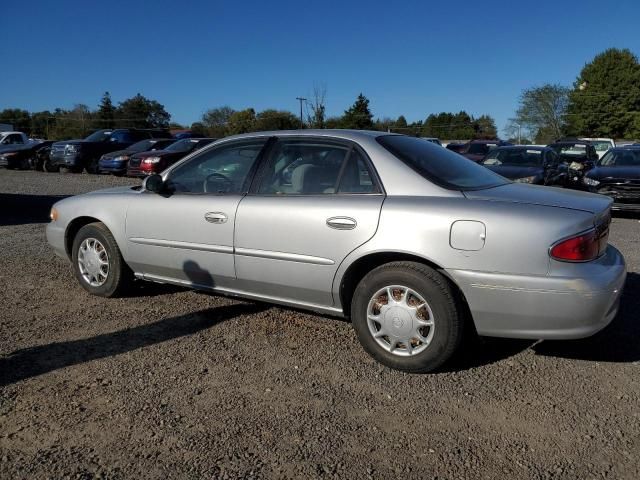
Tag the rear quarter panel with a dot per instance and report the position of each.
(518, 236)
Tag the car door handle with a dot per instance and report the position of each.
(215, 217)
(342, 223)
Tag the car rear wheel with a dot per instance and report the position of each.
(407, 317)
(98, 263)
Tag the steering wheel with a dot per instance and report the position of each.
(224, 178)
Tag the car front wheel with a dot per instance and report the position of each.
(98, 263)
(407, 317)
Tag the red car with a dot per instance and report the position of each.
(155, 161)
(476, 150)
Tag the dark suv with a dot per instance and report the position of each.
(76, 155)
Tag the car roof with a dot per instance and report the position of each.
(354, 135)
(521, 147)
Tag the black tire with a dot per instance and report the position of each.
(448, 315)
(47, 166)
(119, 276)
(93, 166)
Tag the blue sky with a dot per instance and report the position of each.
(408, 57)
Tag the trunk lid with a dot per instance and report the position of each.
(546, 196)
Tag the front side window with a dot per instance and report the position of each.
(219, 170)
(311, 167)
(184, 145)
(439, 165)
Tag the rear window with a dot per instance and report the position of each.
(440, 166)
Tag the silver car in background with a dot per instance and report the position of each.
(414, 243)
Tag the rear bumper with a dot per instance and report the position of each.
(545, 307)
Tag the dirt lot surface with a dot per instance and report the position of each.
(170, 383)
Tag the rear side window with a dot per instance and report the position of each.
(312, 167)
(439, 165)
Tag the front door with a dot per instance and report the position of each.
(186, 234)
(316, 201)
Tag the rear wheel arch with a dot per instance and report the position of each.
(363, 265)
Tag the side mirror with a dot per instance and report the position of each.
(153, 183)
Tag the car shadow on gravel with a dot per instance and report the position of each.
(34, 361)
(20, 209)
(619, 342)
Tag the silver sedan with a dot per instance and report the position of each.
(414, 243)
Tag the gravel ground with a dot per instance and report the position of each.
(170, 383)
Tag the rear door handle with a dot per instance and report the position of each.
(342, 223)
(215, 217)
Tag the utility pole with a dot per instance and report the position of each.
(301, 99)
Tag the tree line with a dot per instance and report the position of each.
(604, 101)
(141, 112)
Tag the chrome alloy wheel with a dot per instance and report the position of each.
(93, 262)
(400, 320)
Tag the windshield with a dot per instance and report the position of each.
(439, 165)
(576, 150)
(142, 146)
(601, 146)
(620, 158)
(480, 148)
(519, 157)
(182, 145)
(99, 136)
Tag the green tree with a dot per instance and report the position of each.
(199, 129)
(333, 122)
(358, 116)
(141, 112)
(216, 120)
(541, 113)
(42, 124)
(485, 127)
(316, 110)
(20, 119)
(242, 122)
(276, 120)
(605, 99)
(106, 112)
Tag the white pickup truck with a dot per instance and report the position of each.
(601, 144)
(13, 138)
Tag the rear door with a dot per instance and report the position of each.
(314, 202)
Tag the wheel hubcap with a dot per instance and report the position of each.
(93, 262)
(400, 320)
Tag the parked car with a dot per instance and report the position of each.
(432, 140)
(118, 161)
(476, 150)
(145, 163)
(412, 242)
(601, 145)
(455, 147)
(579, 155)
(526, 164)
(13, 138)
(617, 175)
(24, 156)
(76, 155)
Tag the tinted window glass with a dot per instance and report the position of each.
(303, 168)
(439, 165)
(185, 145)
(518, 157)
(356, 177)
(218, 170)
(121, 136)
(99, 136)
(621, 158)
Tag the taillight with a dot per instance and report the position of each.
(581, 248)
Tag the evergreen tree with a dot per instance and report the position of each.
(605, 99)
(106, 112)
(358, 117)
